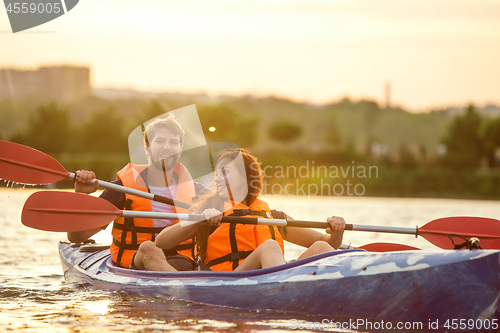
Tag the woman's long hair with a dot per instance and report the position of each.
(253, 173)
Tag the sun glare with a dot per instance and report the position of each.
(101, 307)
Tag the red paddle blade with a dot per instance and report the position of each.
(22, 164)
(439, 231)
(67, 211)
(387, 247)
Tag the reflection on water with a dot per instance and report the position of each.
(98, 311)
(101, 307)
(34, 297)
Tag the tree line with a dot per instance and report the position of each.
(99, 141)
(472, 141)
(50, 129)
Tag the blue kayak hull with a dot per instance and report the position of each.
(409, 286)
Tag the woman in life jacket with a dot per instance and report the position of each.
(238, 247)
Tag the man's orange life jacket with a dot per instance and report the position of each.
(231, 243)
(129, 233)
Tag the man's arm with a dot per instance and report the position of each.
(82, 236)
(172, 236)
(83, 182)
(83, 185)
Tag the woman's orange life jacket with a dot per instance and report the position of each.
(129, 233)
(231, 243)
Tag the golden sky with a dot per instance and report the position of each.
(435, 53)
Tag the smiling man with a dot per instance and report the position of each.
(133, 238)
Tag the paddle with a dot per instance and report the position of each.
(70, 212)
(22, 164)
(67, 211)
(447, 231)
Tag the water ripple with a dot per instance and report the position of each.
(35, 298)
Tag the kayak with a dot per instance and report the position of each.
(405, 286)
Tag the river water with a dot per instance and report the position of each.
(35, 298)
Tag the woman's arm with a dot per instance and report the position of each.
(306, 237)
(174, 235)
(302, 236)
(335, 233)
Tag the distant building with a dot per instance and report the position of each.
(387, 93)
(55, 83)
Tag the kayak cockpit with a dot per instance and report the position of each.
(223, 274)
(91, 256)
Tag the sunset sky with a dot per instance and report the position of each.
(434, 53)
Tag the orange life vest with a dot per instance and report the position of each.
(129, 233)
(231, 243)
